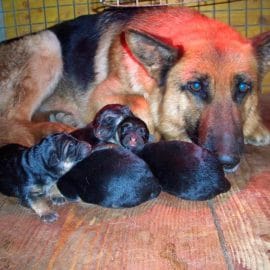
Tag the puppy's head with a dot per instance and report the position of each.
(108, 118)
(132, 133)
(60, 152)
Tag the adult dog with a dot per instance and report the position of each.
(187, 76)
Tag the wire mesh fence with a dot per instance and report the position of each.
(19, 17)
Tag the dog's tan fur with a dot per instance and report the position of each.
(30, 72)
(129, 66)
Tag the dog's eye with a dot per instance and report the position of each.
(244, 87)
(109, 119)
(53, 159)
(71, 145)
(195, 86)
(241, 90)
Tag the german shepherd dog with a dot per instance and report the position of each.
(187, 76)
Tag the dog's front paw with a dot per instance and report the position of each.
(49, 217)
(260, 137)
(58, 200)
(65, 118)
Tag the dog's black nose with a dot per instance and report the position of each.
(229, 162)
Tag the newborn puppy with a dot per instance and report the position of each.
(185, 169)
(132, 133)
(116, 124)
(31, 173)
(104, 125)
(113, 177)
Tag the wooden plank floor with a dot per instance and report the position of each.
(231, 231)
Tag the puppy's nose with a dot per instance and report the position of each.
(229, 162)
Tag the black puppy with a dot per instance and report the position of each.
(132, 133)
(185, 169)
(31, 173)
(104, 125)
(112, 177)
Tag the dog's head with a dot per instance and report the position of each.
(107, 120)
(132, 133)
(60, 152)
(208, 77)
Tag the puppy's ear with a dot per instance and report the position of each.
(261, 45)
(156, 56)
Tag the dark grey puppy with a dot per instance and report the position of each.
(132, 133)
(112, 177)
(115, 123)
(185, 169)
(104, 125)
(31, 173)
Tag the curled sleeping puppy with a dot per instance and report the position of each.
(185, 169)
(113, 177)
(31, 173)
(104, 125)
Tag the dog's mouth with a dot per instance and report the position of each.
(229, 169)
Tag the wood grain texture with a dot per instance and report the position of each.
(244, 212)
(166, 233)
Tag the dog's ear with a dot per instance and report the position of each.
(261, 44)
(156, 56)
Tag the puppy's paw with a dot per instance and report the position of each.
(49, 217)
(260, 137)
(58, 200)
(65, 118)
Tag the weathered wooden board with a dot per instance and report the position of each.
(166, 233)
(244, 212)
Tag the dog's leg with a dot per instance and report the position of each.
(255, 132)
(66, 118)
(39, 73)
(36, 74)
(36, 200)
(56, 197)
(27, 133)
(41, 207)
